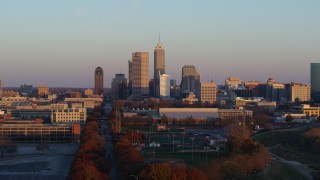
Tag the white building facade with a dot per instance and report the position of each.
(78, 115)
(164, 86)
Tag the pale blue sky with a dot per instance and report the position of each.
(61, 42)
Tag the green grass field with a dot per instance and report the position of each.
(199, 158)
(176, 153)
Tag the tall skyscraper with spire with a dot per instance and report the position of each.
(159, 66)
(98, 81)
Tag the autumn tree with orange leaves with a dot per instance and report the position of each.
(90, 162)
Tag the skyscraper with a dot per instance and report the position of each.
(159, 67)
(98, 81)
(119, 87)
(299, 91)
(190, 79)
(315, 81)
(43, 90)
(164, 86)
(26, 90)
(208, 92)
(140, 75)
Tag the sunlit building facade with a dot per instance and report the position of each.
(164, 86)
(299, 92)
(140, 75)
(159, 67)
(78, 115)
(43, 90)
(208, 92)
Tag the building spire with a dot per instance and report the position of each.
(159, 37)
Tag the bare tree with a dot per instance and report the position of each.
(238, 133)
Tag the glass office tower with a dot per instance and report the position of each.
(315, 81)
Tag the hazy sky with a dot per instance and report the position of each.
(61, 42)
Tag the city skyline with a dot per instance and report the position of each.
(44, 41)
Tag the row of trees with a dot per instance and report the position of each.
(155, 104)
(164, 171)
(129, 160)
(90, 162)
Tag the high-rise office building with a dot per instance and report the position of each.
(98, 81)
(119, 87)
(140, 75)
(208, 92)
(159, 67)
(43, 90)
(26, 90)
(275, 91)
(190, 81)
(299, 91)
(164, 86)
(315, 81)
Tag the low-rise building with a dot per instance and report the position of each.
(88, 102)
(191, 99)
(40, 132)
(310, 111)
(266, 104)
(31, 113)
(195, 113)
(59, 106)
(78, 115)
(234, 113)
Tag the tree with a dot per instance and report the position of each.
(159, 171)
(262, 120)
(90, 162)
(179, 173)
(196, 174)
(238, 133)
